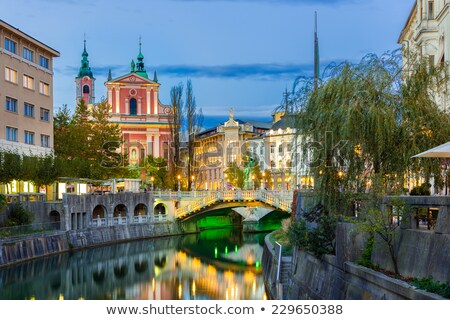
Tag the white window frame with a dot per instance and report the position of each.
(44, 88)
(10, 75)
(28, 82)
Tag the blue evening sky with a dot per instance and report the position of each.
(238, 53)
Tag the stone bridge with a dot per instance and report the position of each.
(77, 212)
(272, 200)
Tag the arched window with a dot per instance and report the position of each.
(86, 89)
(133, 106)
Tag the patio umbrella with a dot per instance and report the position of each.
(442, 152)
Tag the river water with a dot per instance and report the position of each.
(215, 264)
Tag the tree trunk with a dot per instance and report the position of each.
(393, 257)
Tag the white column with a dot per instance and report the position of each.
(139, 106)
(155, 101)
(149, 145)
(127, 106)
(117, 100)
(110, 98)
(148, 102)
(156, 146)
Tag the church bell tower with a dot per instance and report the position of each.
(85, 80)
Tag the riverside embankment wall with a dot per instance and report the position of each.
(16, 250)
(420, 254)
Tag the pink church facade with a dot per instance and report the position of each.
(135, 107)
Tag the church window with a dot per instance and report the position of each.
(86, 89)
(133, 106)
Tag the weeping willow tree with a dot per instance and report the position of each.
(363, 124)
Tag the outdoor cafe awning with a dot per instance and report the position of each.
(442, 151)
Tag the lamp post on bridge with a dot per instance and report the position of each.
(179, 183)
(263, 181)
(224, 180)
(193, 183)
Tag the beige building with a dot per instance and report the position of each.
(217, 147)
(426, 34)
(26, 92)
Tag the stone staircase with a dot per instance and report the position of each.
(285, 276)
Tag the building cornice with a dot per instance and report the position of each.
(407, 24)
(29, 38)
(15, 56)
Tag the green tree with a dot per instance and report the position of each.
(175, 124)
(156, 168)
(47, 170)
(365, 122)
(3, 202)
(11, 167)
(62, 132)
(105, 137)
(194, 120)
(28, 168)
(19, 216)
(383, 223)
(86, 142)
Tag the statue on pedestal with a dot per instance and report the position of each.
(248, 169)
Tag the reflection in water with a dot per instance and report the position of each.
(216, 264)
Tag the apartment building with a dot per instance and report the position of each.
(425, 35)
(26, 92)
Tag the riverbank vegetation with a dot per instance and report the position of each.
(365, 122)
(359, 130)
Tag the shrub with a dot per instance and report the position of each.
(422, 190)
(318, 240)
(298, 234)
(366, 257)
(19, 216)
(428, 284)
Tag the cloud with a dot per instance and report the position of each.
(255, 71)
(283, 2)
(275, 2)
(116, 70)
(266, 71)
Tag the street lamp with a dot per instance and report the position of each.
(151, 183)
(263, 183)
(179, 182)
(225, 176)
(193, 183)
(253, 182)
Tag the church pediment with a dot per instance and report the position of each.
(231, 123)
(133, 78)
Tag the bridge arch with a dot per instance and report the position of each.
(99, 212)
(55, 219)
(140, 266)
(99, 276)
(160, 208)
(140, 210)
(120, 210)
(120, 271)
